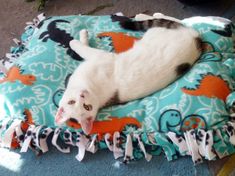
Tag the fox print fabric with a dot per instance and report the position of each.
(192, 116)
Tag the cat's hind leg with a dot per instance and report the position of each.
(87, 52)
(142, 17)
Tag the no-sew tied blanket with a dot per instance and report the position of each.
(192, 116)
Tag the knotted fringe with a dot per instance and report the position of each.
(197, 143)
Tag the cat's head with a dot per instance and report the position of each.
(79, 105)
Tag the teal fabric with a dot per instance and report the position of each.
(182, 106)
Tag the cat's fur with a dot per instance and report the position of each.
(158, 59)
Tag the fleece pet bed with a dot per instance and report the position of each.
(192, 116)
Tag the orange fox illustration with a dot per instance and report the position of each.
(108, 126)
(121, 41)
(14, 74)
(210, 86)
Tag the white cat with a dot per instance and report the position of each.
(166, 51)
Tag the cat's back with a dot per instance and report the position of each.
(152, 63)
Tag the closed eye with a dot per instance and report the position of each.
(71, 102)
(87, 107)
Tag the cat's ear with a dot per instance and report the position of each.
(84, 93)
(87, 125)
(59, 119)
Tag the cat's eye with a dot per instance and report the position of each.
(87, 107)
(71, 102)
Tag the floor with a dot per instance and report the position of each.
(15, 13)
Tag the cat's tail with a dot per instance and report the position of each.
(145, 25)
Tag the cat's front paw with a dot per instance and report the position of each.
(74, 45)
(84, 36)
(83, 33)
